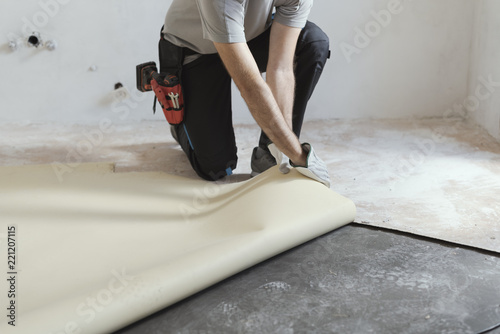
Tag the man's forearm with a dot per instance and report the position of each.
(280, 73)
(270, 117)
(260, 99)
(282, 84)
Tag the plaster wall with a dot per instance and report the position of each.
(388, 61)
(483, 100)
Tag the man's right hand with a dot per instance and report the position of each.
(282, 160)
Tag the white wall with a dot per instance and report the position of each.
(416, 66)
(113, 35)
(483, 101)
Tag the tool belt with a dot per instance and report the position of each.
(168, 92)
(167, 84)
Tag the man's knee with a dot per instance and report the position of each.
(213, 169)
(314, 43)
(209, 164)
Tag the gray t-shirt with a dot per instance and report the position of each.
(196, 24)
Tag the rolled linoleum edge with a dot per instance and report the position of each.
(212, 232)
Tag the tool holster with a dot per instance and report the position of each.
(167, 83)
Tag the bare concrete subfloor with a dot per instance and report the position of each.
(430, 177)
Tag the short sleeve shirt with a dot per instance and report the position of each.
(196, 24)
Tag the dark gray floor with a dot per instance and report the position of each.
(353, 280)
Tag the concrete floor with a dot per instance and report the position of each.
(354, 280)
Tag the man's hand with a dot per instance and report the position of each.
(282, 160)
(315, 168)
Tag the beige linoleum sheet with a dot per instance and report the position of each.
(102, 250)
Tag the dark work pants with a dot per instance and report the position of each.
(207, 134)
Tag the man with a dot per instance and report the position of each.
(226, 40)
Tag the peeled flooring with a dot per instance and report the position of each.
(101, 250)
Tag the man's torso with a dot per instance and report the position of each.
(196, 24)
